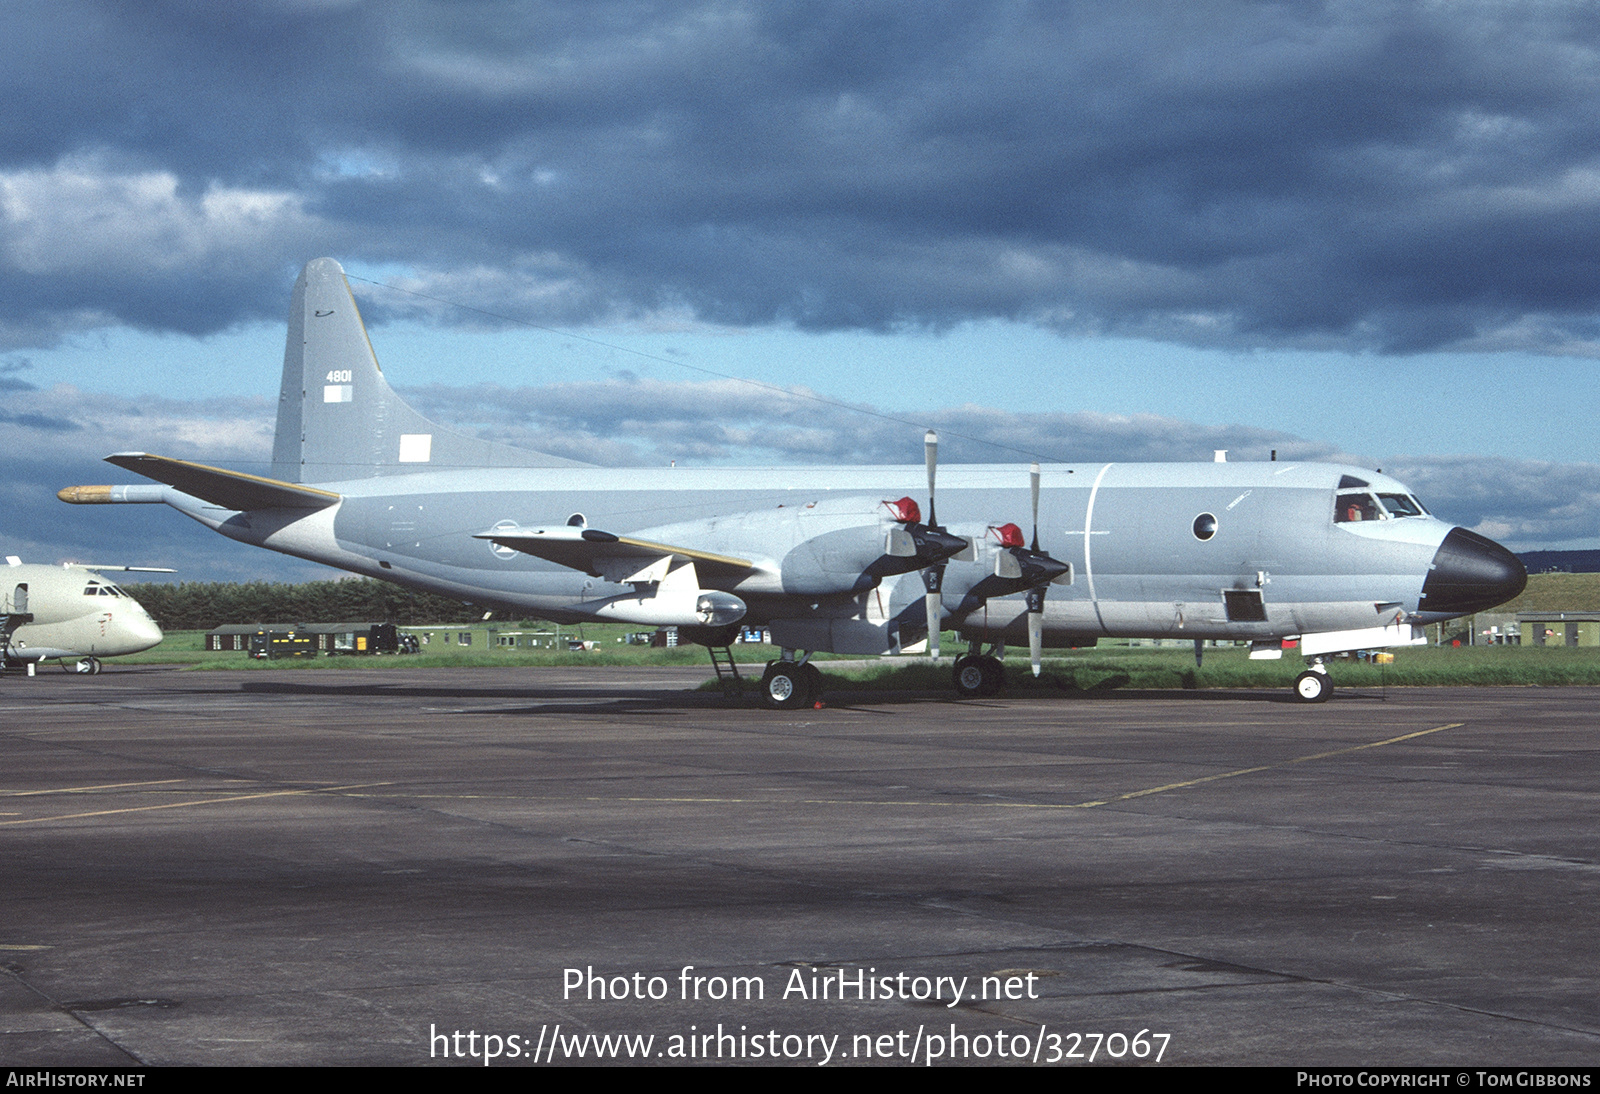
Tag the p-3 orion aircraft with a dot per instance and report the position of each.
(1318, 557)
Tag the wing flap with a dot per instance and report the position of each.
(229, 489)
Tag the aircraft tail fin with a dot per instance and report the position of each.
(339, 419)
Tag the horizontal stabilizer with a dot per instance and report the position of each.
(603, 554)
(229, 489)
(120, 569)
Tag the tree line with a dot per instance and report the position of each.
(200, 606)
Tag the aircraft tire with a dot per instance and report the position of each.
(86, 666)
(978, 677)
(788, 686)
(968, 677)
(1312, 687)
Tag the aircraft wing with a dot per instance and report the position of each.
(613, 557)
(230, 489)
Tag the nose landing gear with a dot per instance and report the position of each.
(1313, 685)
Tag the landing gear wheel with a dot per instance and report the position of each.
(1312, 687)
(968, 675)
(87, 666)
(789, 686)
(978, 677)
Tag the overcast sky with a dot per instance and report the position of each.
(1121, 231)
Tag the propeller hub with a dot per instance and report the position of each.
(1041, 569)
(935, 544)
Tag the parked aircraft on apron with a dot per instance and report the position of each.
(830, 559)
(70, 613)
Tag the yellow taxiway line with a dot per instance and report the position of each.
(185, 805)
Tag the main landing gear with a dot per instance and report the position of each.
(978, 676)
(791, 685)
(1313, 685)
(88, 666)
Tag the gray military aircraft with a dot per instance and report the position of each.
(836, 559)
(70, 613)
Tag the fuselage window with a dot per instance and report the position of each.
(1355, 507)
(1205, 526)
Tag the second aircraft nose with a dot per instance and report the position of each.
(1470, 573)
(137, 632)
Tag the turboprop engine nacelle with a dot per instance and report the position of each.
(827, 547)
(853, 560)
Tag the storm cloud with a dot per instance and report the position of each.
(1364, 176)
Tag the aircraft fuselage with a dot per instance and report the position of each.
(1129, 530)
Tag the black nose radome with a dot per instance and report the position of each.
(1471, 573)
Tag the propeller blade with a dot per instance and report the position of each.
(1035, 600)
(933, 602)
(930, 450)
(1033, 475)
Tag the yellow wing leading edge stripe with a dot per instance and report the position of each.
(687, 552)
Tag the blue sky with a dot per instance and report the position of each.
(1358, 230)
(1520, 405)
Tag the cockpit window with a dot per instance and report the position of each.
(1401, 505)
(91, 590)
(1355, 507)
(1363, 506)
